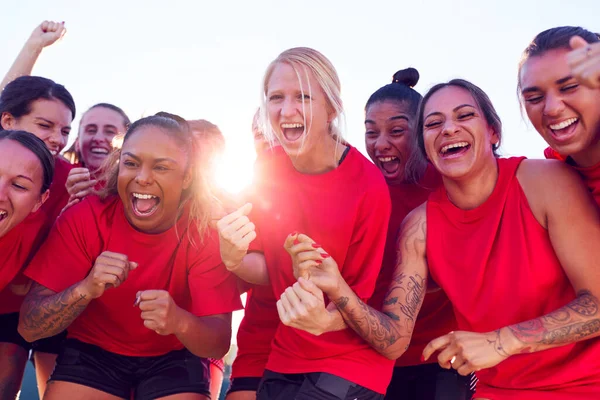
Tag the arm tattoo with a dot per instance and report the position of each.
(401, 305)
(48, 313)
(498, 344)
(576, 321)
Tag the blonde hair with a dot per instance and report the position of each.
(304, 60)
(198, 195)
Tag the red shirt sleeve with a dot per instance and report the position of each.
(365, 254)
(213, 289)
(67, 255)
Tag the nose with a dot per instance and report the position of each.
(144, 176)
(288, 108)
(4, 191)
(553, 106)
(57, 139)
(449, 128)
(382, 143)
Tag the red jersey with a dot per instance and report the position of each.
(10, 302)
(175, 260)
(590, 175)
(436, 317)
(498, 267)
(59, 197)
(346, 210)
(256, 333)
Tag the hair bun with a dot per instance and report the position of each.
(408, 77)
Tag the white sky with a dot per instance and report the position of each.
(205, 59)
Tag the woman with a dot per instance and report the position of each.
(321, 186)
(26, 171)
(146, 217)
(516, 259)
(390, 122)
(559, 86)
(98, 128)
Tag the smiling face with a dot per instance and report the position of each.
(49, 120)
(564, 113)
(97, 129)
(298, 112)
(388, 127)
(153, 172)
(21, 180)
(458, 140)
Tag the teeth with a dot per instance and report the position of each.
(289, 126)
(143, 196)
(3, 213)
(387, 159)
(98, 150)
(53, 152)
(564, 124)
(453, 145)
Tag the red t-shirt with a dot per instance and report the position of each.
(256, 333)
(498, 267)
(590, 175)
(59, 197)
(436, 317)
(347, 211)
(175, 260)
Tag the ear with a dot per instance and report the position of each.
(77, 146)
(187, 179)
(41, 201)
(7, 121)
(495, 139)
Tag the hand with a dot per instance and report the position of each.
(584, 61)
(468, 352)
(302, 306)
(236, 232)
(46, 34)
(311, 262)
(79, 183)
(72, 201)
(109, 270)
(159, 311)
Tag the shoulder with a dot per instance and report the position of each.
(548, 176)
(415, 222)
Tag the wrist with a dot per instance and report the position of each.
(82, 291)
(33, 46)
(509, 341)
(182, 321)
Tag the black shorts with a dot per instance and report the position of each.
(176, 372)
(244, 384)
(9, 333)
(50, 344)
(311, 386)
(430, 382)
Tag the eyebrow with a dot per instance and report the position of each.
(157, 160)
(455, 109)
(537, 89)
(25, 177)
(395, 117)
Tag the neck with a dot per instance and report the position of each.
(323, 156)
(470, 192)
(588, 157)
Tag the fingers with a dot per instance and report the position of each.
(448, 357)
(149, 295)
(435, 345)
(584, 61)
(230, 218)
(577, 42)
(311, 288)
(283, 316)
(71, 203)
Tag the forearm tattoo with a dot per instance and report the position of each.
(401, 305)
(576, 321)
(48, 315)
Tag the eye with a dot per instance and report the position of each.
(129, 163)
(20, 187)
(303, 96)
(370, 132)
(432, 124)
(45, 126)
(569, 88)
(112, 133)
(397, 131)
(533, 98)
(275, 97)
(466, 115)
(161, 168)
(65, 133)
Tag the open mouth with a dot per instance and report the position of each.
(99, 151)
(454, 150)
(292, 132)
(389, 164)
(144, 205)
(564, 130)
(3, 215)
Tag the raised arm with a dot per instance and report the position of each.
(573, 223)
(388, 331)
(42, 36)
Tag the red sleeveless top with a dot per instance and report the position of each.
(590, 175)
(498, 267)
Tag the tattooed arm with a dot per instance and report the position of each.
(390, 330)
(45, 313)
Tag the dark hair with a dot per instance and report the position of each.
(37, 147)
(198, 193)
(401, 90)
(551, 39)
(17, 96)
(483, 102)
(72, 154)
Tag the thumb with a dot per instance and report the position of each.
(305, 239)
(577, 42)
(245, 209)
(132, 265)
(310, 287)
(290, 241)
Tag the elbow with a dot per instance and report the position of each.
(27, 334)
(396, 351)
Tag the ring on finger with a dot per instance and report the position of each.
(453, 359)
